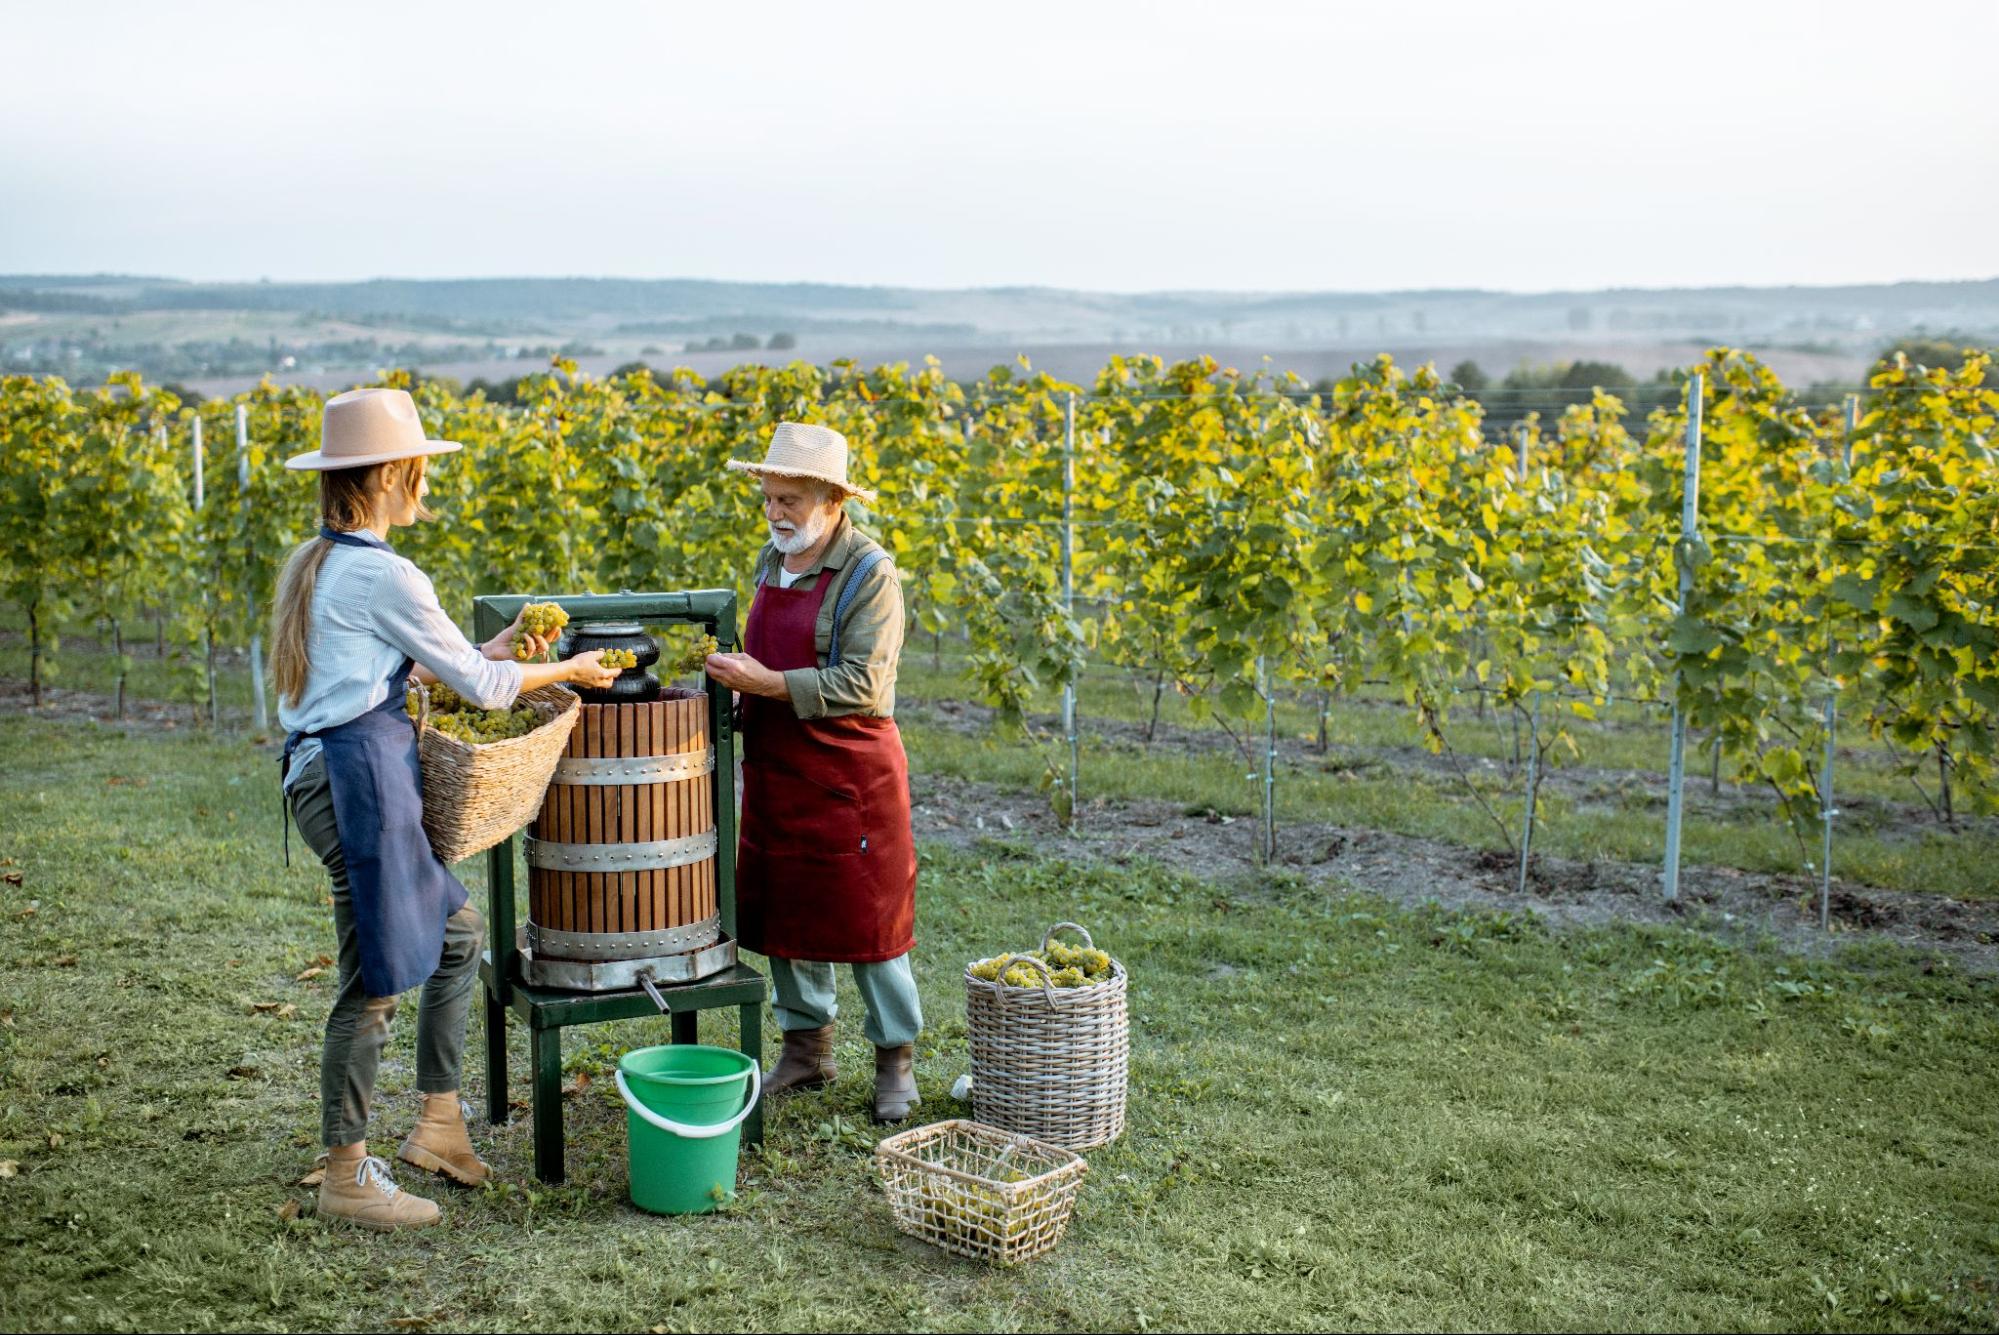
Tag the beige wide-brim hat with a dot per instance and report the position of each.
(801, 450)
(369, 426)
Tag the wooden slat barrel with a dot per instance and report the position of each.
(621, 860)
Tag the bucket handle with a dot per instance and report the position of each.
(682, 1129)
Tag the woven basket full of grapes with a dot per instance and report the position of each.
(1051, 1042)
(485, 771)
(982, 1193)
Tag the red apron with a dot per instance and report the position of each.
(826, 868)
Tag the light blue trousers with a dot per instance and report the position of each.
(802, 994)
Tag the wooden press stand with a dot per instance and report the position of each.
(549, 1011)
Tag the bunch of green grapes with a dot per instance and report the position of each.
(543, 619)
(478, 726)
(443, 700)
(974, 1212)
(618, 658)
(694, 657)
(1068, 966)
(1094, 964)
(452, 716)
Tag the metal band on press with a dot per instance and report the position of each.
(619, 857)
(605, 946)
(612, 771)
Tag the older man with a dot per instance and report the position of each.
(826, 870)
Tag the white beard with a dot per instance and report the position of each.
(792, 541)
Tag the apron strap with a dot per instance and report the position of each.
(848, 592)
(284, 798)
(354, 539)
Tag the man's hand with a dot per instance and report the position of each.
(742, 673)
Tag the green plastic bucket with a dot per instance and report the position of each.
(684, 1111)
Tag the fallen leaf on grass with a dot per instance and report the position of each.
(413, 1322)
(10, 1168)
(11, 877)
(64, 961)
(308, 975)
(314, 1178)
(288, 1211)
(242, 1072)
(7, 1018)
(576, 1086)
(28, 912)
(55, 1140)
(264, 1007)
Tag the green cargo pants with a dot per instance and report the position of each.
(357, 1029)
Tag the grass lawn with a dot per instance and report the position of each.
(1342, 1116)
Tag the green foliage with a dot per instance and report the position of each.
(1234, 534)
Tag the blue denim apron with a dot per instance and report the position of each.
(402, 892)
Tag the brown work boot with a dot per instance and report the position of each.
(895, 1083)
(439, 1143)
(805, 1063)
(368, 1196)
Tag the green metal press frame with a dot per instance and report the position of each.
(548, 1011)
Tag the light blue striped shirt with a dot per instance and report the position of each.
(370, 609)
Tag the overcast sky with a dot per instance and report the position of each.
(1126, 147)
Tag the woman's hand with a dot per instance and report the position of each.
(588, 670)
(501, 647)
(742, 673)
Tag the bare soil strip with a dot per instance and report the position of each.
(1725, 902)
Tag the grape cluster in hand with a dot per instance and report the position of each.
(694, 657)
(618, 658)
(543, 619)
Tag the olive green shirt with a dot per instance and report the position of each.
(870, 636)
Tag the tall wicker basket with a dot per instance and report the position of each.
(1047, 1062)
(475, 796)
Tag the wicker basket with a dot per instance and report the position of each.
(475, 796)
(1048, 1062)
(979, 1192)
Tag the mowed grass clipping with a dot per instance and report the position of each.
(1342, 1116)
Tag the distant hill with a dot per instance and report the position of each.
(83, 324)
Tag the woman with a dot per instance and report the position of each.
(352, 623)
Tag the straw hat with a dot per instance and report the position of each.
(368, 426)
(798, 450)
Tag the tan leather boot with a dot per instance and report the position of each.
(368, 1196)
(439, 1143)
(805, 1063)
(895, 1083)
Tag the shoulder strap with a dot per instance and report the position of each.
(848, 592)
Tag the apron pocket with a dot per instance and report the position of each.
(398, 779)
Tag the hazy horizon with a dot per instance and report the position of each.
(282, 280)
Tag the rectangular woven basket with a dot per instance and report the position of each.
(978, 1191)
(475, 796)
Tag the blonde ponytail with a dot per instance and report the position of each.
(291, 618)
(345, 504)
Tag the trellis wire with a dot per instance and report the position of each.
(1068, 522)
